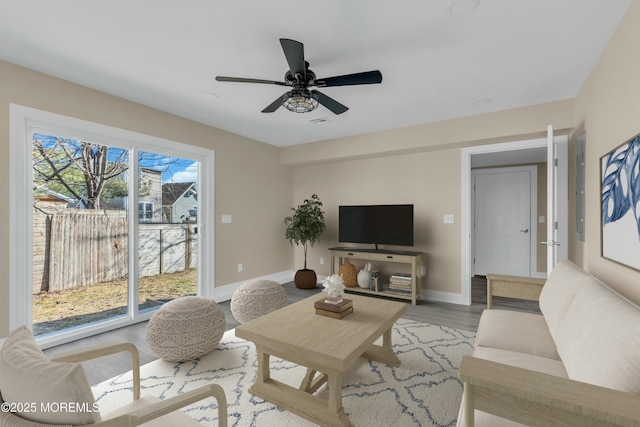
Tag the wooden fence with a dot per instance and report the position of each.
(75, 248)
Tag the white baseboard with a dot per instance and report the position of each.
(224, 293)
(441, 296)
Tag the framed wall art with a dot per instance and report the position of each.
(620, 191)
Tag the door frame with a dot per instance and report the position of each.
(533, 211)
(466, 248)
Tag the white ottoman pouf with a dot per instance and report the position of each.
(185, 328)
(256, 298)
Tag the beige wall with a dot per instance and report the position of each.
(250, 183)
(423, 179)
(608, 109)
(504, 126)
(419, 165)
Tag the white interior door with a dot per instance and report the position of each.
(503, 228)
(557, 194)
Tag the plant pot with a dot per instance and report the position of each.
(305, 279)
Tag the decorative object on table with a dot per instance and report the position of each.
(185, 328)
(305, 227)
(364, 276)
(349, 274)
(335, 314)
(256, 298)
(620, 199)
(337, 311)
(334, 287)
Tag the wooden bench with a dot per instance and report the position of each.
(526, 288)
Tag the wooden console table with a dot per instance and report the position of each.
(413, 259)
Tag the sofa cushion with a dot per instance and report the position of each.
(27, 376)
(516, 331)
(521, 360)
(558, 292)
(599, 339)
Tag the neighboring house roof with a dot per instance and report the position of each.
(173, 191)
(40, 191)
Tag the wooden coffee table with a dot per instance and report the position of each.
(327, 347)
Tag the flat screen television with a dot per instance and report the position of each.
(376, 224)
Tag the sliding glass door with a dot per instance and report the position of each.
(107, 225)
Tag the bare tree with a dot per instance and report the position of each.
(82, 170)
(91, 172)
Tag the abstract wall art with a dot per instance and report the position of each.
(620, 184)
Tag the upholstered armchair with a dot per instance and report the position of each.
(30, 383)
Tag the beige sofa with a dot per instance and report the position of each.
(576, 364)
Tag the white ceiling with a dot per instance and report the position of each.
(436, 63)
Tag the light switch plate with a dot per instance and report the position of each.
(448, 219)
(226, 219)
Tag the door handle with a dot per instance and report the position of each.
(526, 230)
(553, 243)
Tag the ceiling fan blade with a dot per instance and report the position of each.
(330, 103)
(243, 80)
(274, 105)
(366, 78)
(294, 52)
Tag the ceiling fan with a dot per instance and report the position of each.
(300, 99)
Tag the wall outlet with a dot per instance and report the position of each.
(423, 270)
(240, 267)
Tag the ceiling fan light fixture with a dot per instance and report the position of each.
(300, 101)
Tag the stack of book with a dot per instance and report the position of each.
(400, 283)
(374, 280)
(337, 311)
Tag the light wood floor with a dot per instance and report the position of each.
(451, 315)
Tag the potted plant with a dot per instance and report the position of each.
(305, 227)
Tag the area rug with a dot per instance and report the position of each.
(423, 391)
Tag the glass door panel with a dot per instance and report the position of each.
(80, 234)
(167, 229)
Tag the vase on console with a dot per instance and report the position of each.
(364, 276)
(349, 274)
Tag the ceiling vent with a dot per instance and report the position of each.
(319, 121)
